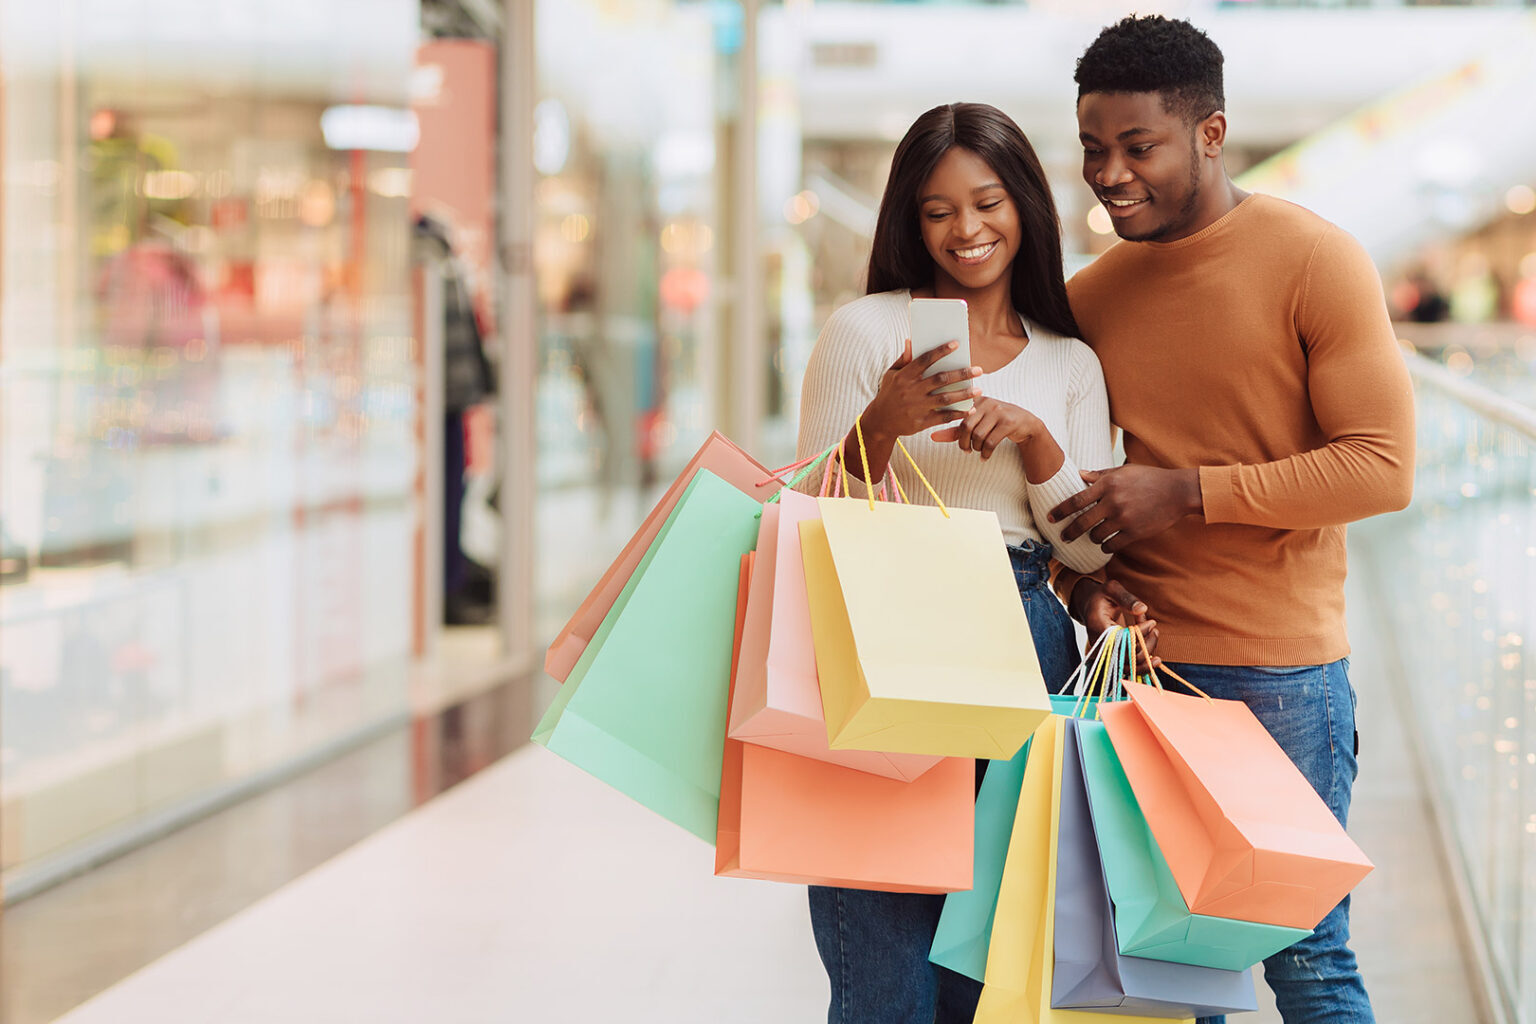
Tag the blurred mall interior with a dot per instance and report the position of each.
(345, 342)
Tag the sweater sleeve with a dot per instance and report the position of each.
(851, 355)
(1361, 398)
(1086, 445)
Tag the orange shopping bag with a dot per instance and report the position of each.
(792, 819)
(719, 456)
(777, 700)
(1243, 831)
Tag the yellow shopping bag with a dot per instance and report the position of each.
(1022, 955)
(909, 661)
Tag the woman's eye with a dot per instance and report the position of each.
(936, 216)
(994, 204)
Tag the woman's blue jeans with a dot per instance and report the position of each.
(875, 944)
(1310, 711)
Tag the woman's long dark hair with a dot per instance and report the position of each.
(899, 259)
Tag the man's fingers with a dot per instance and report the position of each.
(1116, 592)
(1075, 504)
(1118, 542)
(1090, 476)
(1081, 525)
(1103, 531)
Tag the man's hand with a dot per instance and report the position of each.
(1126, 504)
(1101, 605)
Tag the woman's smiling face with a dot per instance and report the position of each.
(969, 222)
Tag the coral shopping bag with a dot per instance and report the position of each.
(777, 699)
(720, 457)
(1090, 971)
(793, 819)
(1244, 833)
(644, 709)
(902, 670)
(1021, 959)
(1151, 919)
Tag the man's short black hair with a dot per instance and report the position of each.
(1156, 54)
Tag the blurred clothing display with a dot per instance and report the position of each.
(468, 379)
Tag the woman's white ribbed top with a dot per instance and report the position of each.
(1058, 379)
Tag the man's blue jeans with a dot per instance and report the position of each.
(875, 945)
(1310, 711)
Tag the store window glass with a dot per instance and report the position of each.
(208, 452)
(631, 171)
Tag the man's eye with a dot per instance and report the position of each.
(1091, 152)
(1141, 150)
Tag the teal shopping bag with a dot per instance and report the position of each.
(645, 707)
(1151, 918)
(965, 924)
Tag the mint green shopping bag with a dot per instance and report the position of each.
(645, 707)
(1151, 918)
(965, 924)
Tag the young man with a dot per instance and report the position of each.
(1249, 360)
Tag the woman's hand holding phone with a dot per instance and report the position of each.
(909, 403)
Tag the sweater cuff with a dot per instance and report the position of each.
(856, 488)
(1067, 482)
(1218, 493)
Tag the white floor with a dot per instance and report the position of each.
(529, 893)
(533, 893)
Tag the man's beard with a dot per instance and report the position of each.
(1186, 209)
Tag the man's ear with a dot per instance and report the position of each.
(1212, 134)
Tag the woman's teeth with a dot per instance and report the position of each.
(979, 252)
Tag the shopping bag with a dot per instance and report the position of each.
(777, 700)
(1151, 918)
(717, 455)
(1245, 834)
(1090, 971)
(644, 708)
(787, 818)
(1021, 958)
(965, 924)
(905, 667)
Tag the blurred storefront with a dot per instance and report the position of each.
(209, 453)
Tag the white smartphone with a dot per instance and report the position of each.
(934, 323)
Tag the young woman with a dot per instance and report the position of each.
(967, 214)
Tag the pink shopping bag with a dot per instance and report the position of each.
(777, 701)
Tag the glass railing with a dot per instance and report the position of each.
(1455, 579)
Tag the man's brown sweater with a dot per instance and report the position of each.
(1259, 350)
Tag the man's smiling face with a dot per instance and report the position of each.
(1143, 163)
